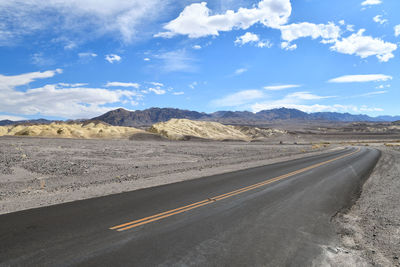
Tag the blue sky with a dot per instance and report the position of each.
(68, 59)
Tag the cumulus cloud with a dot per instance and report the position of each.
(249, 37)
(371, 2)
(197, 47)
(379, 19)
(361, 78)
(111, 58)
(238, 99)
(365, 46)
(56, 100)
(196, 20)
(289, 47)
(397, 30)
(77, 19)
(280, 87)
(295, 31)
(122, 84)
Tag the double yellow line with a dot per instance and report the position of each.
(162, 215)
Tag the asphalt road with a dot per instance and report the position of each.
(275, 215)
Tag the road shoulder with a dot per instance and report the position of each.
(370, 230)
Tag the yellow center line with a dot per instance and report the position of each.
(159, 216)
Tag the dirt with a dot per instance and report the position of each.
(36, 172)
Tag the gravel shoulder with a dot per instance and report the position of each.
(37, 172)
(369, 232)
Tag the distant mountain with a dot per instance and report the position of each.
(388, 118)
(6, 122)
(38, 121)
(147, 117)
(122, 117)
(342, 117)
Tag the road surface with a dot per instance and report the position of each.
(275, 215)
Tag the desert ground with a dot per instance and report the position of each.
(40, 171)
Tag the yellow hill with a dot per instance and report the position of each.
(75, 130)
(177, 129)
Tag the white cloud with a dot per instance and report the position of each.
(240, 71)
(78, 19)
(87, 55)
(249, 37)
(361, 78)
(397, 30)
(374, 93)
(53, 100)
(146, 59)
(298, 101)
(383, 86)
(280, 87)
(41, 60)
(157, 84)
(305, 96)
(295, 100)
(193, 85)
(178, 93)
(342, 22)
(350, 28)
(264, 44)
(11, 118)
(289, 47)
(157, 90)
(111, 58)
(238, 99)
(371, 2)
(196, 19)
(72, 84)
(257, 101)
(122, 84)
(365, 46)
(313, 107)
(379, 19)
(197, 47)
(295, 31)
(7, 82)
(177, 60)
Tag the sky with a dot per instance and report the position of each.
(70, 59)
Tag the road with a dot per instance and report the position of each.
(275, 215)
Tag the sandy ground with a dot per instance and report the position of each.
(369, 231)
(36, 172)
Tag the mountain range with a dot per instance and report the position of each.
(147, 117)
(122, 117)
